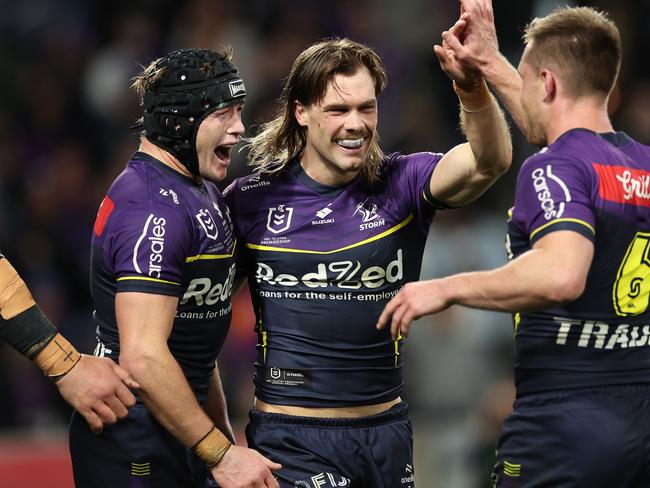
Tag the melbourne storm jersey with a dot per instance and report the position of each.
(599, 186)
(322, 262)
(160, 232)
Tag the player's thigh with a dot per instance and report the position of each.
(580, 442)
(389, 462)
(135, 451)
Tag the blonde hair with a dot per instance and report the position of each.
(582, 43)
(282, 139)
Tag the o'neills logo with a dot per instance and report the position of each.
(623, 185)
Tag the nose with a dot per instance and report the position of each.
(237, 128)
(354, 122)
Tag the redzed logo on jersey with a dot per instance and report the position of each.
(103, 213)
(623, 185)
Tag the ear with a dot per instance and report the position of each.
(300, 113)
(550, 85)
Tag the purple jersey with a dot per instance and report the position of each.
(322, 262)
(598, 186)
(160, 232)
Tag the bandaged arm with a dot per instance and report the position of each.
(24, 327)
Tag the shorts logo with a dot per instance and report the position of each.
(279, 219)
(544, 195)
(328, 480)
(205, 219)
(409, 479)
(237, 88)
(511, 469)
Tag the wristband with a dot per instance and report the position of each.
(478, 99)
(57, 358)
(212, 447)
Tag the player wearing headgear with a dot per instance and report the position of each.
(95, 387)
(162, 269)
(331, 229)
(578, 280)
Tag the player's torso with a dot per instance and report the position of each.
(158, 233)
(322, 263)
(604, 336)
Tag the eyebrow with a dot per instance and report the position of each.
(339, 106)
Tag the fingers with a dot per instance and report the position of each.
(124, 395)
(92, 420)
(271, 482)
(272, 465)
(441, 54)
(453, 42)
(105, 414)
(117, 406)
(124, 375)
(390, 306)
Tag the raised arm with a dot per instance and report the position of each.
(145, 322)
(467, 170)
(479, 50)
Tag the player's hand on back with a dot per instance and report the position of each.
(241, 467)
(97, 389)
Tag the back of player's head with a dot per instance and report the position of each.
(181, 89)
(584, 45)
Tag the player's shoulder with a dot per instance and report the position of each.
(253, 185)
(573, 149)
(399, 158)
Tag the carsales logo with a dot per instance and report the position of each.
(153, 238)
(545, 195)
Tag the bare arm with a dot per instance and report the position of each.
(467, 170)
(480, 51)
(553, 272)
(216, 406)
(145, 323)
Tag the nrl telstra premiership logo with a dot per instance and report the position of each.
(279, 218)
(207, 223)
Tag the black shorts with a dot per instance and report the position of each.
(368, 452)
(578, 439)
(134, 453)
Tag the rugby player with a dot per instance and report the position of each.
(578, 243)
(162, 267)
(95, 387)
(330, 229)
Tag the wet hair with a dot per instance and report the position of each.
(283, 139)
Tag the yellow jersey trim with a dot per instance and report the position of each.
(191, 259)
(577, 221)
(307, 251)
(146, 278)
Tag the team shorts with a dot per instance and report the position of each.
(367, 452)
(136, 452)
(577, 439)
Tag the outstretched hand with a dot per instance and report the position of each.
(242, 467)
(461, 73)
(472, 41)
(97, 389)
(412, 302)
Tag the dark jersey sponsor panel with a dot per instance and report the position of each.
(322, 262)
(598, 186)
(159, 232)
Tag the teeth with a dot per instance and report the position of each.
(351, 143)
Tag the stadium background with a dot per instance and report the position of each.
(65, 111)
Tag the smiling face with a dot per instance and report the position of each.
(339, 128)
(216, 136)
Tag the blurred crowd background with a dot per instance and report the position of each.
(65, 112)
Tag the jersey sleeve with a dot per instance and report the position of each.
(554, 194)
(148, 246)
(241, 251)
(410, 175)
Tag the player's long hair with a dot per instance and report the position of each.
(282, 139)
(583, 44)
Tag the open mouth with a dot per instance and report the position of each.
(223, 152)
